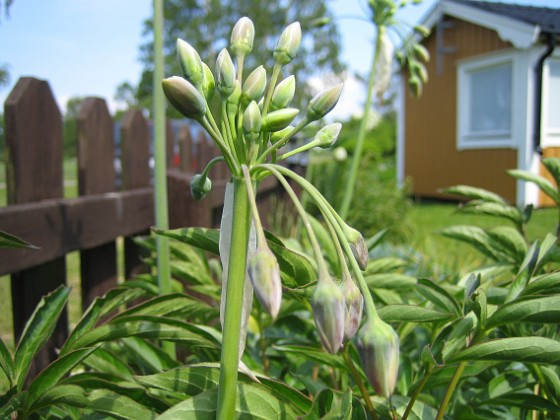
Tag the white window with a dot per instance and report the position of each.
(485, 97)
(552, 88)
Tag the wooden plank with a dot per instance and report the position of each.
(96, 175)
(65, 225)
(185, 149)
(33, 125)
(135, 153)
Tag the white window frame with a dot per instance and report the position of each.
(550, 137)
(489, 140)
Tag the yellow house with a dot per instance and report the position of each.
(492, 102)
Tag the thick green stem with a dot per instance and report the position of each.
(227, 391)
(450, 390)
(357, 156)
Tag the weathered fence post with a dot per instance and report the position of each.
(33, 125)
(135, 158)
(96, 175)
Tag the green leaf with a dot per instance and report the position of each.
(474, 236)
(314, 354)
(6, 362)
(330, 405)
(390, 281)
(475, 193)
(527, 309)
(155, 328)
(67, 395)
(149, 355)
(420, 410)
(544, 184)
(524, 400)
(297, 269)
(496, 210)
(203, 238)
(38, 330)
(410, 313)
(438, 296)
(384, 265)
(515, 349)
(11, 241)
(57, 370)
(509, 241)
(252, 402)
(101, 306)
(552, 383)
(105, 361)
(553, 166)
(286, 393)
(325, 240)
(14, 403)
(188, 380)
(118, 406)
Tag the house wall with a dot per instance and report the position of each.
(431, 158)
(545, 200)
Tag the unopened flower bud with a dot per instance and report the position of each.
(340, 154)
(232, 103)
(320, 22)
(264, 273)
(279, 135)
(278, 120)
(378, 347)
(200, 186)
(415, 85)
(225, 74)
(354, 308)
(327, 136)
(184, 97)
(322, 103)
(242, 36)
(254, 85)
(283, 93)
(208, 83)
(358, 246)
(329, 310)
(288, 44)
(252, 120)
(384, 64)
(421, 52)
(190, 63)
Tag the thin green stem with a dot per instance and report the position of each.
(211, 164)
(358, 379)
(300, 149)
(227, 390)
(450, 390)
(416, 393)
(271, 85)
(357, 156)
(216, 136)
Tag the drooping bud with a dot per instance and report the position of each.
(254, 85)
(327, 136)
(322, 103)
(287, 46)
(208, 83)
(329, 310)
(190, 63)
(252, 121)
(354, 308)
(264, 273)
(283, 93)
(278, 120)
(415, 85)
(358, 246)
(184, 97)
(200, 186)
(225, 74)
(378, 347)
(242, 37)
(421, 52)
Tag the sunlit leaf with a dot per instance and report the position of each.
(528, 309)
(411, 313)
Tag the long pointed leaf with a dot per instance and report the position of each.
(553, 166)
(118, 406)
(544, 184)
(6, 362)
(475, 193)
(530, 309)
(38, 330)
(411, 313)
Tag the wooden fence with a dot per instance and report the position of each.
(38, 212)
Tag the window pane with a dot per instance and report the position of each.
(490, 99)
(553, 95)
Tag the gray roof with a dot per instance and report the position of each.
(547, 18)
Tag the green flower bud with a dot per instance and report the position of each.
(283, 93)
(340, 154)
(252, 121)
(288, 44)
(254, 85)
(327, 136)
(200, 186)
(277, 120)
(184, 97)
(232, 103)
(323, 103)
(358, 246)
(320, 22)
(225, 74)
(378, 347)
(415, 85)
(242, 36)
(190, 63)
(421, 52)
(354, 307)
(279, 135)
(264, 273)
(208, 84)
(329, 309)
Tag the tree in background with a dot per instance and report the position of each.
(70, 128)
(205, 25)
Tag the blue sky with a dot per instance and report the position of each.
(88, 47)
